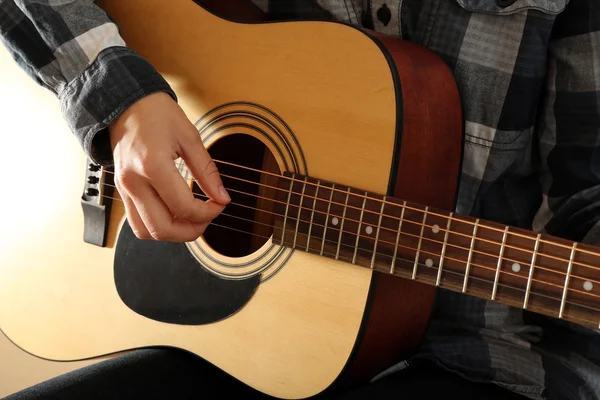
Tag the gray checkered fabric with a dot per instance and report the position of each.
(528, 72)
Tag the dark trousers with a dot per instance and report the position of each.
(174, 374)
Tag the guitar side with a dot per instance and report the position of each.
(298, 331)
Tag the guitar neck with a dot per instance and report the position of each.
(517, 267)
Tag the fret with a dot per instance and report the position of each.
(327, 218)
(362, 211)
(443, 253)
(377, 233)
(499, 265)
(337, 253)
(414, 274)
(287, 207)
(528, 290)
(470, 256)
(398, 237)
(567, 277)
(312, 214)
(299, 212)
(584, 285)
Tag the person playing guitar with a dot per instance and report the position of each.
(528, 74)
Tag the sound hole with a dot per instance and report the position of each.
(246, 224)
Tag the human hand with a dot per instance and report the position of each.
(159, 204)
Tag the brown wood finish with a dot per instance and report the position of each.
(395, 329)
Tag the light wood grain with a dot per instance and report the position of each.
(57, 295)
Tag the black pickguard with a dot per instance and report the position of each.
(162, 281)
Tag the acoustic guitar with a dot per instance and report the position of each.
(341, 149)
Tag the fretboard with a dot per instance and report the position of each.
(512, 266)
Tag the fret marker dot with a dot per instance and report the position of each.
(587, 285)
(369, 230)
(516, 267)
(334, 221)
(429, 262)
(435, 228)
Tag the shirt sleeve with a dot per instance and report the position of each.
(569, 127)
(74, 49)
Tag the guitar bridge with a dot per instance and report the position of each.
(96, 202)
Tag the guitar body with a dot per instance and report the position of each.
(326, 100)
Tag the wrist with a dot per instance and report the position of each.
(94, 100)
(128, 120)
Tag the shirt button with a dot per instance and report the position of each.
(505, 3)
(384, 14)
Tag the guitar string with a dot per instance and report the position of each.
(580, 250)
(539, 267)
(561, 287)
(448, 284)
(441, 229)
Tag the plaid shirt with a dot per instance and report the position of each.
(529, 75)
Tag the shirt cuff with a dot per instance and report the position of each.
(114, 81)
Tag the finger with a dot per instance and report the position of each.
(178, 196)
(204, 169)
(136, 223)
(158, 219)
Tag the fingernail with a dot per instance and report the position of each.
(224, 193)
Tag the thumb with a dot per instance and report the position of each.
(205, 171)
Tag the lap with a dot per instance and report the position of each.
(164, 373)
